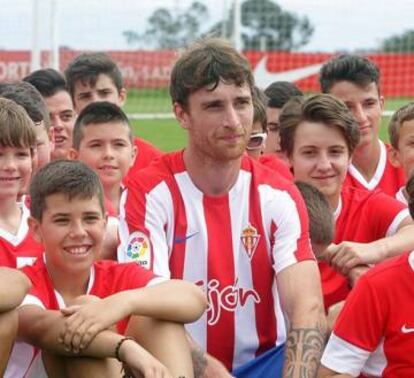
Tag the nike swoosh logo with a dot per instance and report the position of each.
(263, 77)
(179, 240)
(405, 329)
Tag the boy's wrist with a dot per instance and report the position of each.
(122, 347)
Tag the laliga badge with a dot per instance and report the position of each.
(250, 238)
(139, 249)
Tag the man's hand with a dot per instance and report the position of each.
(214, 368)
(347, 255)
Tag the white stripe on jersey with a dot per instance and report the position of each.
(278, 206)
(195, 264)
(160, 202)
(247, 338)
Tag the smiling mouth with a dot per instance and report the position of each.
(78, 250)
(9, 179)
(60, 139)
(107, 168)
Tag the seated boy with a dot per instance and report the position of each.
(319, 135)
(102, 139)
(374, 333)
(68, 218)
(52, 86)
(93, 77)
(401, 133)
(13, 287)
(28, 97)
(17, 141)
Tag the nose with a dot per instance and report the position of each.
(9, 163)
(231, 117)
(324, 163)
(56, 123)
(108, 151)
(77, 229)
(360, 114)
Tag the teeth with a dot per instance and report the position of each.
(77, 250)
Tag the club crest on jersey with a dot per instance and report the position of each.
(139, 249)
(250, 238)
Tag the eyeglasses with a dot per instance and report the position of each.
(256, 141)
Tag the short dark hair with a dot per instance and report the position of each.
(321, 222)
(321, 108)
(280, 92)
(27, 96)
(409, 187)
(349, 67)
(403, 114)
(73, 179)
(16, 128)
(47, 81)
(259, 107)
(95, 113)
(88, 66)
(206, 63)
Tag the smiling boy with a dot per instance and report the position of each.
(68, 218)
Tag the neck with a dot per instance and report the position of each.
(69, 285)
(10, 215)
(366, 159)
(113, 194)
(212, 177)
(334, 202)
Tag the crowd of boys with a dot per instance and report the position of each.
(239, 255)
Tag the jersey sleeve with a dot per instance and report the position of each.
(289, 226)
(384, 214)
(144, 216)
(357, 332)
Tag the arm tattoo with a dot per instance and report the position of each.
(304, 347)
(199, 361)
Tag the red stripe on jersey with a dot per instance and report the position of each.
(262, 277)
(177, 257)
(221, 269)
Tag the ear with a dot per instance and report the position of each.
(122, 97)
(181, 115)
(51, 135)
(73, 154)
(382, 102)
(135, 153)
(394, 157)
(34, 226)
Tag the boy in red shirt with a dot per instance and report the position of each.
(68, 218)
(13, 287)
(17, 144)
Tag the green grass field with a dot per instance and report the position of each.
(167, 135)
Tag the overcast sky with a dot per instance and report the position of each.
(98, 24)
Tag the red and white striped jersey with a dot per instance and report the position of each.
(374, 333)
(233, 246)
(386, 177)
(362, 216)
(20, 249)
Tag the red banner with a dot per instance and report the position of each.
(151, 69)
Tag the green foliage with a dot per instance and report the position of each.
(168, 30)
(266, 25)
(403, 43)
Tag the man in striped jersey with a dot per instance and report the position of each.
(211, 215)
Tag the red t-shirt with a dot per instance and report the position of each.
(374, 333)
(362, 216)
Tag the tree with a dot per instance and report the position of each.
(265, 25)
(402, 43)
(168, 31)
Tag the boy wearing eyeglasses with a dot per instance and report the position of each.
(256, 145)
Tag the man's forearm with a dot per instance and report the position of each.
(304, 347)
